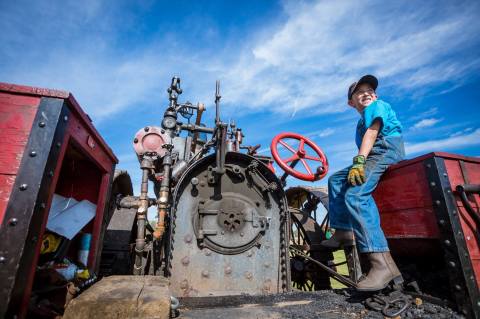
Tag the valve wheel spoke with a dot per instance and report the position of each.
(313, 158)
(291, 158)
(301, 147)
(288, 147)
(306, 166)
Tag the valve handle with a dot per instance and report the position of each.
(299, 155)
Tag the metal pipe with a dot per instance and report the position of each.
(196, 128)
(198, 121)
(163, 196)
(141, 218)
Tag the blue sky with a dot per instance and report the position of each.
(283, 65)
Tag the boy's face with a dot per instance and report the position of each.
(364, 95)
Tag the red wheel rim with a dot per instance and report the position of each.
(301, 155)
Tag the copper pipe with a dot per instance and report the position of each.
(198, 120)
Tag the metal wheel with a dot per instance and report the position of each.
(306, 235)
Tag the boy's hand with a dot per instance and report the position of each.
(356, 175)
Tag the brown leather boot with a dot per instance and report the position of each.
(339, 239)
(383, 270)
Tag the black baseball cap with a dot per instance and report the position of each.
(369, 79)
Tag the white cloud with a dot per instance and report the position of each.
(321, 133)
(449, 143)
(304, 62)
(426, 123)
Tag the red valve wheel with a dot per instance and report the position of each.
(299, 155)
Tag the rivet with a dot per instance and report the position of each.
(452, 264)
(34, 239)
(437, 202)
(194, 181)
(248, 275)
(188, 238)
(205, 273)
(208, 252)
(2, 260)
(454, 212)
(65, 118)
(146, 129)
(249, 254)
(432, 184)
(42, 205)
(33, 154)
(441, 222)
(50, 173)
(429, 165)
(13, 221)
(449, 191)
(41, 124)
(478, 303)
(135, 140)
(222, 232)
(447, 242)
(23, 187)
(445, 174)
(241, 234)
(59, 144)
(468, 238)
(266, 265)
(228, 270)
(185, 261)
(184, 284)
(163, 131)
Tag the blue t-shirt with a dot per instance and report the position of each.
(381, 110)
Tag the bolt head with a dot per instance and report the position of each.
(13, 221)
(33, 154)
(184, 284)
(135, 140)
(41, 124)
(146, 129)
(194, 181)
(23, 187)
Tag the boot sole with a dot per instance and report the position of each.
(396, 281)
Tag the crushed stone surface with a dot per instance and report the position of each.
(318, 304)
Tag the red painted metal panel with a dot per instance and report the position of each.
(16, 117)
(470, 230)
(404, 201)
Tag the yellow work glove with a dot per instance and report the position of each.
(356, 175)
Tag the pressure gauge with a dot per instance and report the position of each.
(169, 123)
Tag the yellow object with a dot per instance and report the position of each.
(50, 243)
(83, 274)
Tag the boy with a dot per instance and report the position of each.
(353, 213)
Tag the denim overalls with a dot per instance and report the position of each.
(353, 207)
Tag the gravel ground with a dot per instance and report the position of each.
(305, 305)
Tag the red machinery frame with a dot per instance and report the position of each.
(422, 214)
(41, 127)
